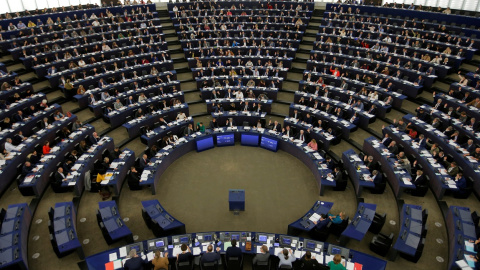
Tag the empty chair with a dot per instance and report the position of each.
(377, 223)
(417, 255)
(185, 266)
(208, 266)
(381, 244)
(234, 263)
(262, 266)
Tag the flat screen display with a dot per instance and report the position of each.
(225, 139)
(236, 237)
(336, 251)
(184, 240)
(311, 245)
(250, 140)
(207, 237)
(269, 144)
(287, 241)
(159, 244)
(204, 143)
(262, 238)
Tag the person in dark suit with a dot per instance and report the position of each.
(135, 262)
(115, 154)
(186, 255)
(288, 131)
(377, 179)
(421, 140)
(461, 184)
(354, 119)
(393, 148)
(469, 146)
(275, 126)
(322, 222)
(134, 179)
(59, 178)
(337, 174)
(419, 179)
(386, 140)
(94, 139)
(301, 136)
(233, 251)
(211, 256)
(143, 162)
(309, 262)
(189, 130)
(213, 124)
(368, 161)
(264, 256)
(27, 168)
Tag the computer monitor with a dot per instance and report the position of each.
(225, 139)
(333, 250)
(262, 238)
(287, 241)
(204, 143)
(269, 144)
(235, 236)
(137, 246)
(184, 240)
(157, 244)
(207, 238)
(249, 139)
(312, 245)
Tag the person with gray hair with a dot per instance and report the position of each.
(9, 145)
(135, 262)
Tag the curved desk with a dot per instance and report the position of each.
(306, 223)
(170, 154)
(198, 242)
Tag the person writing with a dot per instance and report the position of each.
(160, 262)
(336, 264)
(286, 257)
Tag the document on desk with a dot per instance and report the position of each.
(328, 258)
(112, 256)
(278, 250)
(117, 264)
(122, 252)
(315, 217)
(177, 250)
(205, 246)
(318, 257)
(259, 249)
(196, 251)
(298, 254)
(150, 256)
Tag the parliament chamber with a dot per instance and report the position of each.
(239, 134)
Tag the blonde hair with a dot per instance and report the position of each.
(337, 259)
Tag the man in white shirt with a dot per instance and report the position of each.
(9, 146)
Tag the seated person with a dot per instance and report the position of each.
(233, 251)
(336, 264)
(186, 255)
(338, 218)
(286, 257)
(211, 256)
(309, 262)
(322, 222)
(134, 179)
